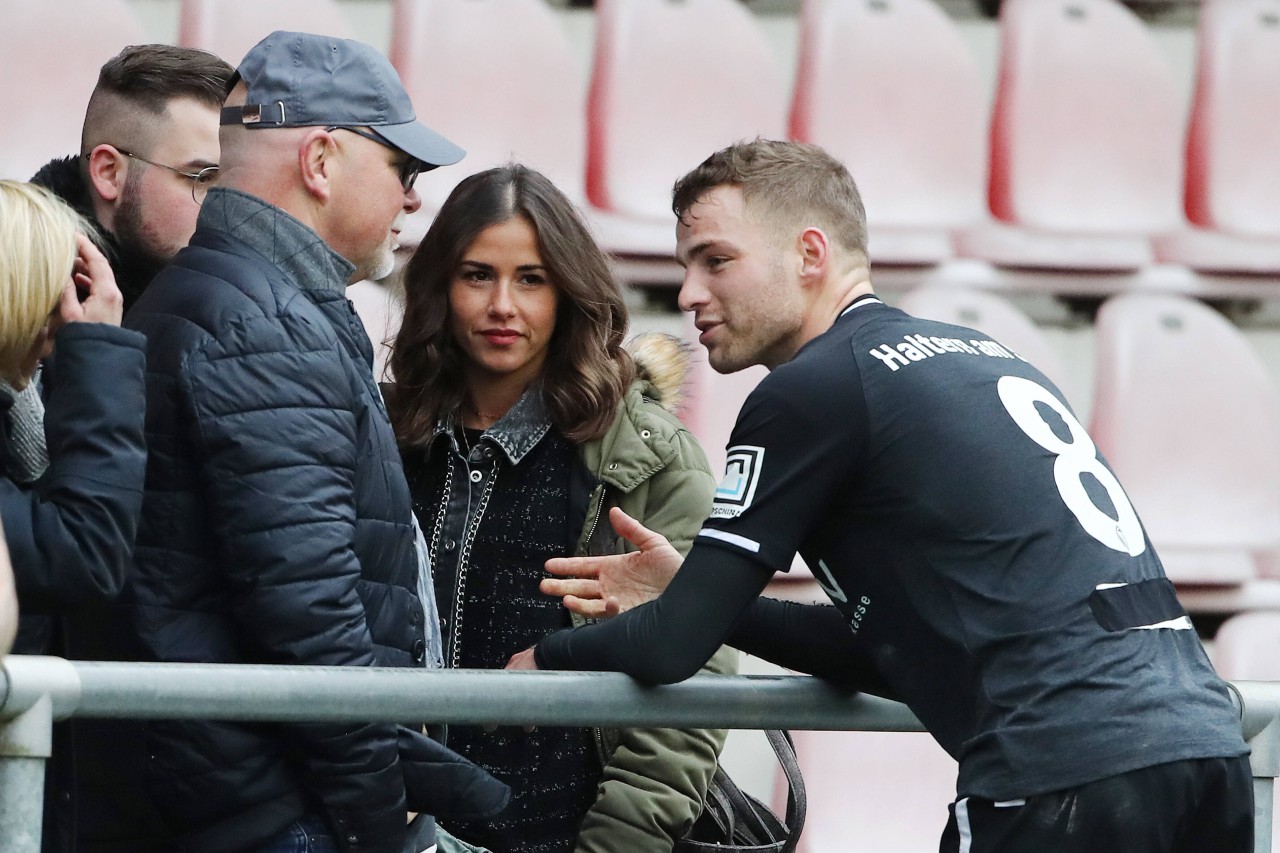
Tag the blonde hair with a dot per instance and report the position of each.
(37, 252)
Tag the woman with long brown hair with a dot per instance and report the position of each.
(522, 419)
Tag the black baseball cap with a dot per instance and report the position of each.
(308, 80)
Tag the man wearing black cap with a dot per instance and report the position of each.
(277, 527)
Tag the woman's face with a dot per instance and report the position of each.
(502, 304)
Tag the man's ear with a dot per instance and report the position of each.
(318, 163)
(815, 252)
(108, 169)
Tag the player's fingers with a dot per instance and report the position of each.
(574, 567)
(571, 586)
(635, 532)
(590, 608)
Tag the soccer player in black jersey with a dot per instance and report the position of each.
(985, 565)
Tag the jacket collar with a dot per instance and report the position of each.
(516, 433)
(287, 243)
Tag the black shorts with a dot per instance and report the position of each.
(1199, 806)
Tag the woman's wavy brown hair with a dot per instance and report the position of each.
(587, 370)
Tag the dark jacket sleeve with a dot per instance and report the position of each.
(273, 414)
(71, 534)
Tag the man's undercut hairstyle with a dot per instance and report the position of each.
(791, 184)
(137, 84)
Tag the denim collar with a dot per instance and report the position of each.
(283, 240)
(516, 433)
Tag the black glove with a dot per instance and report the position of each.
(439, 782)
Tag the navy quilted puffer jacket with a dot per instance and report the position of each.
(275, 527)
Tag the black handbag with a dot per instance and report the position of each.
(733, 820)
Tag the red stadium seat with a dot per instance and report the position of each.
(1085, 162)
(51, 53)
(1233, 144)
(890, 88)
(672, 83)
(230, 27)
(526, 101)
(878, 791)
(1188, 418)
(989, 313)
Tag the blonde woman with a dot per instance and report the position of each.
(71, 441)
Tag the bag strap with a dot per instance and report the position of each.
(797, 801)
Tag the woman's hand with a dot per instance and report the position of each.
(92, 275)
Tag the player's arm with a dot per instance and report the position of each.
(811, 638)
(669, 639)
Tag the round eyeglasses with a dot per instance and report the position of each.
(200, 181)
(408, 171)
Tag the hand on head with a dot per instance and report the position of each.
(598, 587)
(93, 276)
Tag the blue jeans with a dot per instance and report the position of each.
(308, 834)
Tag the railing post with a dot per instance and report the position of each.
(26, 742)
(1265, 761)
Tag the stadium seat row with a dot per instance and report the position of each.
(1087, 164)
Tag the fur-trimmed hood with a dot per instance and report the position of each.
(662, 362)
(133, 269)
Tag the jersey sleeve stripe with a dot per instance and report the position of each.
(732, 538)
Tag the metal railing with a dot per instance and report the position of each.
(36, 691)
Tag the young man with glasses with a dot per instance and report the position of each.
(277, 527)
(148, 154)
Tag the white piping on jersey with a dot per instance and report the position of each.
(1009, 804)
(732, 538)
(962, 824)
(1182, 623)
(865, 300)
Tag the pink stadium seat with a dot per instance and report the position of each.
(380, 312)
(51, 53)
(891, 89)
(674, 80)
(230, 27)
(1233, 144)
(1085, 159)
(526, 101)
(877, 791)
(1247, 647)
(989, 313)
(1187, 416)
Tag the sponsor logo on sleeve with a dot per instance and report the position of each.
(738, 488)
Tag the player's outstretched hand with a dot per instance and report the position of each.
(598, 587)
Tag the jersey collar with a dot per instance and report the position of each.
(864, 299)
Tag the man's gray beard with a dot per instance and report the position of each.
(385, 265)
